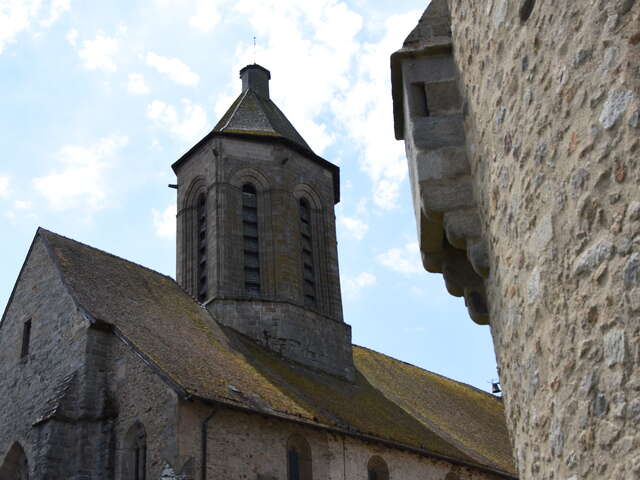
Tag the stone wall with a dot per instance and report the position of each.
(219, 168)
(142, 398)
(551, 102)
(71, 401)
(236, 449)
(39, 393)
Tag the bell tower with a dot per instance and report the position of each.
(256, 232)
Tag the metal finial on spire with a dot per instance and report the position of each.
(254, 50)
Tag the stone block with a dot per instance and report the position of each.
(461, 225)
(443, 98)
(432, 262)
(441, 164)
(476, 302)
(478, 255)
(458, 271)
(443, 197)
(439, 68)
(430, 133)
(593, 257)
(431, 234)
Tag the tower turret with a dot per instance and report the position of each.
(256, 78)
(256, 233)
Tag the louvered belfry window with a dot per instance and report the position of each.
(202, 248)
(251, 240)
(308, 270)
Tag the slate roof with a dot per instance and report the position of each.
(256, 117)
(390, 401)
(253, 114)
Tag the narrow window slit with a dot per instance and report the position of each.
(26, 339)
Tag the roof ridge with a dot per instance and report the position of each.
(113, 255)
(431, 372)
(235, 107)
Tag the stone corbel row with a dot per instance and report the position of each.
(428, 116)
(449, 229)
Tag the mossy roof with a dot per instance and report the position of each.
(389, 400)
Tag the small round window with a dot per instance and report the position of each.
(526, 9)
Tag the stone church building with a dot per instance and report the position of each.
(243, 368)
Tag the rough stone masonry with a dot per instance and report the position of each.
(521, 120)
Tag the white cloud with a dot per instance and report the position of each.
(366, 112)
(4, 186)
(352, 286)
(362, 208)
(174, 68)
(207, 15)
(349, 79)
(21, 209)
(404, 260)
(98, 54)
(354, 226)
(56, 8)
(164, 222)
(80, 177)
(23, 204)
(17, 16)
(188, 126)
(136, 84)
(72, 37)
(320, 37)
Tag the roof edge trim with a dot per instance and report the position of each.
(173, 384)
(15, 285)
(237, 106)
(334, 169)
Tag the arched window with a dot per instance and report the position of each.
(15, 465)
(251, 240)
(377, 469)
(308, 269)
(201, 218)
(135, 454)
(298, 459)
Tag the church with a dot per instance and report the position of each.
(242, 367)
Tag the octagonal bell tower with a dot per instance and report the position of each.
(256, 232)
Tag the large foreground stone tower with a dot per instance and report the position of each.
(521, 122)
(256, 236)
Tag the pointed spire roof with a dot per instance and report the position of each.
(253, 115)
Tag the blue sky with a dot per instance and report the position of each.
(99, 98)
